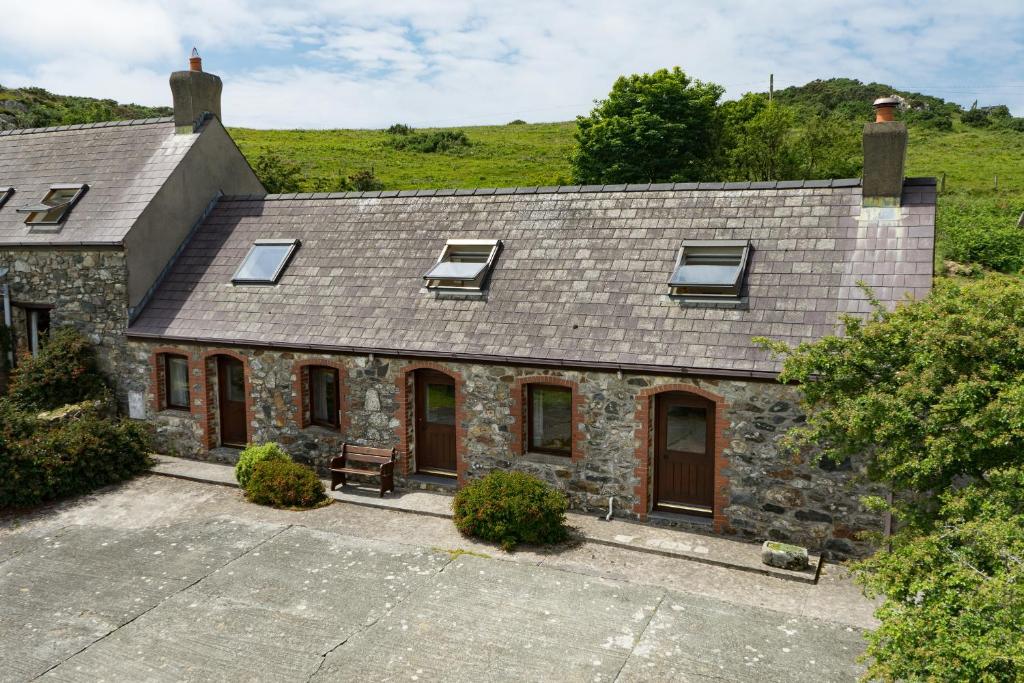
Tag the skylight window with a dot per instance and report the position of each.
(463, 266)
(265, 262)
(55, 205)
(5, 194)
(711, 269)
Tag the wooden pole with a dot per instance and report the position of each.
(771, 87)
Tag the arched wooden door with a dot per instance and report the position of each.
(231, 401)
(435, 423)
(684, 461)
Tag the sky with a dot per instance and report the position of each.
(368, 64)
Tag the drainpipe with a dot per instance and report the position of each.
(5, 290)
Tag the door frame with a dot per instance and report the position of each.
(420, 377)
(218, 359)
(661, 401)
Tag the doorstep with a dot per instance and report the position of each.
(674, 542)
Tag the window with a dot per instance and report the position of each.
(5, 194)
(176, 381)
(323, 397)
(464, 265)
(37, 324)
(265, 262)
(710, 269)
(550, 419)
(55, 205)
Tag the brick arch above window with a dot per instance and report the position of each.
(301, 388)
(644, 421)
(405, 401)
(520, 413)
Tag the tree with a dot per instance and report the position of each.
(767, 147)
(932, 394)
(277, 174)
(654, 127)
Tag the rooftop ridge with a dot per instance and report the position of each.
(565, 189)
(82, 126)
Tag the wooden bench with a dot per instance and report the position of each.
(383, 458)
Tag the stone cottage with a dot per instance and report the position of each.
(598, 336)
(90, 215)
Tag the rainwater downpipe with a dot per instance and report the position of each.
(6, 291)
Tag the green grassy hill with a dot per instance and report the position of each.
(36, 108)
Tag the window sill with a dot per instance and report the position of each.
(175, 412)
(547, 458)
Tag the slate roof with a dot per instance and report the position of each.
(581, 281)
(124, 163)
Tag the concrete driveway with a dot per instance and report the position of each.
(166, 580)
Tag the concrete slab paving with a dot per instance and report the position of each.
(74, 587)
(233, 591)
(483, 619)
(692, 638)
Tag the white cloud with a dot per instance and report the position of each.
(346, 63)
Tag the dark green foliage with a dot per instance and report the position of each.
(982, 230)
(6, 346)
(285, 484)
(511, 508)
(932, 394)
(934, 119)
(277, 174)
(400, 129)
(39, 462)
(851, 99)
(36, 108)
(954, 589)
(365, 181)
(254, 454)
(516, 122)
(63, 372)
(432, 142)
(975, 117)
(654, 127)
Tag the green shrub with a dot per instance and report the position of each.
(63, 372)
(982, 230)
(285, 484)
(255, 454)
(400, 129)
(69, 458)
(511, 508)
(435, 141)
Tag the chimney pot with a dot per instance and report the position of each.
(195, 62)
(885, 109)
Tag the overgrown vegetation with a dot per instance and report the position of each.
(285, 484)
(511, 508)
(64, 372)
(36, 108)
(431, 142)
(46, 454)
(933, 395)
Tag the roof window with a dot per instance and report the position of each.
(265, 262)
(5, 194)
(463, 266)
(711, 269)
(55, 205)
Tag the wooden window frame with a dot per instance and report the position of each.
(528, 412)
(313, 371)
(168, 403)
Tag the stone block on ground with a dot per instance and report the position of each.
(784, 555)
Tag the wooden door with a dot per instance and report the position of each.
(435, 423)
(684, 463)
(231, 387)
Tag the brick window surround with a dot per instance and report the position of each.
(520, 413)
(206, 408)
(405, 405)
(645, 428)
(301, 389)
(158, 378)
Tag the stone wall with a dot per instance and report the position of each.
(762, 492)
(86, 289)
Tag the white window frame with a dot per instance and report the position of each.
(453, 249)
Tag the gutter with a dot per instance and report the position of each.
(635, 368)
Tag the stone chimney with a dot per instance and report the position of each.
(885, 151)
(195, 92)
